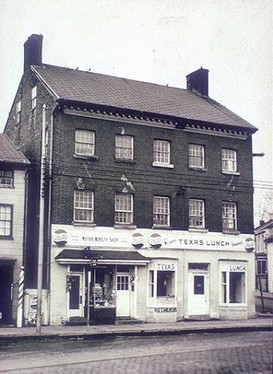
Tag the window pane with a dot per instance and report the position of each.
(229, 160)
(236, 287)
(196, 156)
(83, 206)
(5, 220)
(85, 142)
(124, 208)
(224, 287)
(165, 283)
(161, 210)
(162, 151)
(196, 213)
(6, 178)
(124, 147)
(199, 284)
(229, 216)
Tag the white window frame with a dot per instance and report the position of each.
(196, 156)
(6, 178)
(229, 216)
(226, 288)
(162, 153)
(161, 211)
(196, 213)
(33, 97)
(83, 204)
(123, 209)
(18, 112)
(229, 160)
(84, 143)
(6, 221)
(124, 147)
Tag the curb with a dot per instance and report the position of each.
(107, 334)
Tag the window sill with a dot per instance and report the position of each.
(86, 157)
(197, 168)
(5, 186)
(159, 227)
(161, 165)
(233, 305)
(230, 172)
(78, 223)
(124, 226)
(231, 232)
(197, 229)
(119, 160)
(6, 237)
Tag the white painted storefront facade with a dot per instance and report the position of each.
(153, 276)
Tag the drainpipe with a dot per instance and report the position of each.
(41, 228)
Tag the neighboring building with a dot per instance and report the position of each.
(264, 255)
(147, 195)
(13, 178)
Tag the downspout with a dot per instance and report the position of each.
(49, 205)
(25, 236)
(41, 227)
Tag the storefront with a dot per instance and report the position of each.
(99, 275)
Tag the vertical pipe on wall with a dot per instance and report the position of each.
(41, 228)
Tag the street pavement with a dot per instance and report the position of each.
(261, 323)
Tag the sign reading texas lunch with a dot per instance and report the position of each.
(67, 236)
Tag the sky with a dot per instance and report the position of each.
(158, 41)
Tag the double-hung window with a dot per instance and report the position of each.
(123, 208)
(85, 143)
(5, 221)
(83, 206)
(196, 213)
(161, 211)
(196, 156)
(33, 97)
(162, 153)
(124, 147)
(6, 178)
(229, 161)
(18, 112)
(229, 216)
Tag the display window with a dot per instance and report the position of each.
(233, 285)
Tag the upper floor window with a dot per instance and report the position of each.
(83, 206)
(33, 97)
(229, 216)
(18, 112)
(124, 147)
(6, 178)
(161, 211)
(196, 156)
(85, 142)
(5, 221)
(162, 151)
(229, 161)
(196, 213)
(124, 208)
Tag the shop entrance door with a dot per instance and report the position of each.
(76, 296)
(123, 295)
(198, 300)
(6, 278)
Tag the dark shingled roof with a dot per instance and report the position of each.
(126, 94)
(9, 153)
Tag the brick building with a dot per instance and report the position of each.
(147, 195)
(13, 180)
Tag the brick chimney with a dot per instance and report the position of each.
(33, 51)
(199, 81)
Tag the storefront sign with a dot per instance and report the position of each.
(99, 237)
(165, 266)
(166, 310)
(239, 268)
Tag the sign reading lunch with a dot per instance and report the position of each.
(102, 237)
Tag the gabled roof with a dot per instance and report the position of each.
(126, 94)
(9, 153)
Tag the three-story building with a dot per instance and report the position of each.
(147, 195)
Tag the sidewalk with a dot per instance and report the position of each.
(261, 323)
